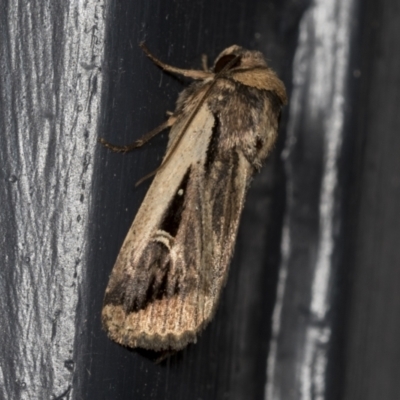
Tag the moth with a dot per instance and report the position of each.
(167, 280)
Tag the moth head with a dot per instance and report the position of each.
(250, 69)
(246, 59)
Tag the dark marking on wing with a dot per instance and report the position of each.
(212, 149)
(173, 215)
(223, 177)
(153, 275)
(259, 143)
(157, 288)
(116, 296)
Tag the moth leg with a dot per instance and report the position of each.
(169, 113)
(140, 142)
(204, 63)
(190, 73)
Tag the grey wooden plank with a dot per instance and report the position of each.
(51, 58)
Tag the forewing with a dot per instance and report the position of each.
(168, 276)
(166, 283)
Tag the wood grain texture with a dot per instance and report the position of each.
(51, 56)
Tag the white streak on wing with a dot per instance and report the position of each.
(191, 149)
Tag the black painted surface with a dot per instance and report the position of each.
(371, 365)
(229, 360)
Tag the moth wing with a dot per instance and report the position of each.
(167, 277)
(203, 245)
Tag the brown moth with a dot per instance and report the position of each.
(173, 264)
